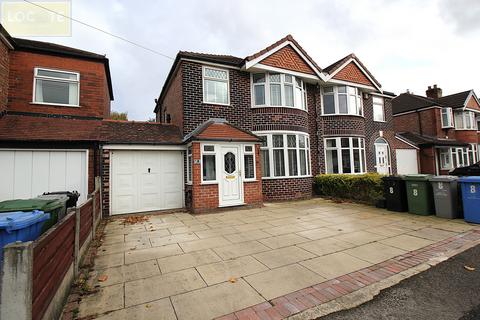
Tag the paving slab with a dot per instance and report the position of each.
(189, 229)
(240, 249)
(375, 252)
(277, 282)
(359, 237)
(319, 233)
(124, 273)
(275, 231)
(246, 236)
(104, 300)
(225, 270)
(152, 253)
(406, 242)
(215, 301)
(176, 238)
(284, 240)
(122, 247)
(156, 310)
(252, 226)
(432, 234)
(203, 244)
(335, 264)
(109, 260)
(325, 246)
(283, 256)
(187, 260)
(211, 233)
(165, 285)
(388, 231)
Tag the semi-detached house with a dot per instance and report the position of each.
(230, 131)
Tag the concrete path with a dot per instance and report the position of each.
(183, 266)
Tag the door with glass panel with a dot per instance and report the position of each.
(230, 190)
(382, 156)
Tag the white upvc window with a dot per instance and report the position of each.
(342, 100)
(56, 87)
(189, 165)
(249, 162)
(278, 90)
(465, 120)
(378, 109)
(216, 86)
(472, 153)
(447, 118)
(460, 157)
(209, 170)
(445, 158)
(345, 155)
(285, 154)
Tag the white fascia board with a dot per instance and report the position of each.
(257, 60)
(280, 70)
(353, 84)
(361, 69)
(144, 147)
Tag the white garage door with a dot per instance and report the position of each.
(29, 173)
(407, 161)
(146, 181)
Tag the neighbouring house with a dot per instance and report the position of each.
(444, 129)
(260, 127)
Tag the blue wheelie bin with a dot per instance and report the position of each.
(471, 198)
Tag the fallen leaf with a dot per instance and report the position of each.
(102, 278)
(232, 279)
(469, 268)
(148, 306)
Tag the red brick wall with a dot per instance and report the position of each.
(287, 189)
(4, 71)
(253, 190)
(173, 101)
(427, 122)
(472, 104)
(427, 160)
(94, 96)
(467, 136)
(352, 73)
(287, 58)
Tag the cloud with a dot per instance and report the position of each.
(462, 13)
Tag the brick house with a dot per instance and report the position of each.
(444, 129)
(308, 121)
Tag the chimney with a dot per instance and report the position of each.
(434, 93)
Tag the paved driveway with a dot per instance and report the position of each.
(183, 266)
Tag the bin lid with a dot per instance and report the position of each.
(418, 177)
(30, 205)
(59, 197)
(392, 178)
(444, 178)
(470, 179)
(11, 221)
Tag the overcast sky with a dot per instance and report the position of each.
(406, 44)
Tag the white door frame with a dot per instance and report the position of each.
(239, 173)
(387, 154)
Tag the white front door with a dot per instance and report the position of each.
(231, 184)
(382, 158)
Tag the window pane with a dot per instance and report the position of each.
(352, 90)
(249, 166)
(345, 142)
(292, 163)
(215, 73)
(208, 148)
(288, 95)
(342, 103)
(355, 142)
(299, 98)
(352, 105)
(288, 78)
(277, 140)
(459, 120)
(189, 164)
(248, 149)
(331, 143)
(342, 89)
(278, 163)
(378, 113)
(332, 161)
(329, 104)
(301, 141)
(328, 89)
(216, 91)
(346, 165)
(259, 94)
(264, 141)
(356, 161)
(274, 77)
(275, 95)
(265, 160)
(208, 167)
(56, 92)
(303, 162)
(259, 78)
(57, 74)
(291, 141)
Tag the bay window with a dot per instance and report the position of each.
(208, 163)
(278, 90)
(447, 118)
(56, 87)
(345, 155)
(465, 120)
(215, 86)
(378, 109)
(344, 100)
(285, 155)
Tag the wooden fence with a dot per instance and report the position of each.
(46, 267)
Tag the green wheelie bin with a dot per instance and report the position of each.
(419, 194)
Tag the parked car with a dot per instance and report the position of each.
(471, 170)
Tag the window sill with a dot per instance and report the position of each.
(206, 183)
(380, 121)
(343, 115)
(216, 104)
(447, 127)
(286, 107)
(293, 177)
(249, 180)
(466, 129)
(55, 104)
(356, 173)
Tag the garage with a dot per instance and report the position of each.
(407, 162)
(143, 180)
(29, 173)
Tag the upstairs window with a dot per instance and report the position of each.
(465, 120)
(278, 90)
(56, 87)
(215, 86)
(378, 109)
(447, 118)
(342, 100)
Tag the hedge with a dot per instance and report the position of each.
(362, 188)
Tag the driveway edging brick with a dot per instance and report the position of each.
(355, 288)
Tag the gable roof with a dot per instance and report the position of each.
(217, 129)
(425, 141)
(456, 100)
(336, 67)
(408, 102)
(215, 58)
(139, 132)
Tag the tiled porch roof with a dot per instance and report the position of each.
(217, 129)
